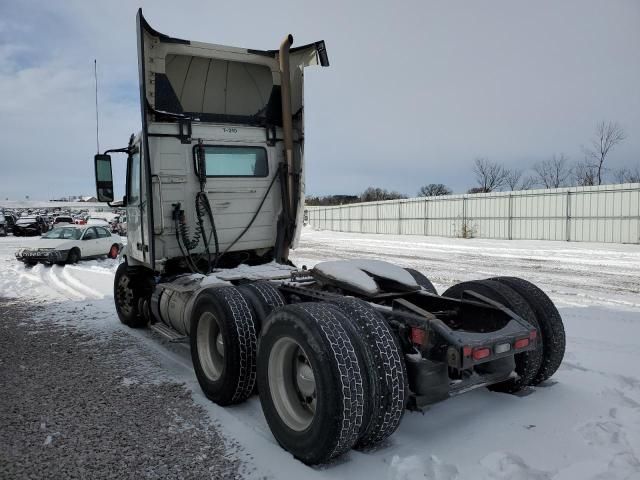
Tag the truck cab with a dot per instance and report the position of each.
(215, 176)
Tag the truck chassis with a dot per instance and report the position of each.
(336, 369)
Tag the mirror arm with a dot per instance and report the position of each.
(117, 150)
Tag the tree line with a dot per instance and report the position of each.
(554, 172)
(559, 171)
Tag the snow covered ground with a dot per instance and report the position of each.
(583, 423)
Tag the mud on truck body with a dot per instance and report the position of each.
(214, 201)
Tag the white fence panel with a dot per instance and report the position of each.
(607, 213)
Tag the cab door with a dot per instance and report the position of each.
(135, 236)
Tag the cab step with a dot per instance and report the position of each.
(169, 333)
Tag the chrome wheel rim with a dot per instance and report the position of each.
(210, 344)
(292, 384)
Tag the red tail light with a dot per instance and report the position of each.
(480, 353)
(418, 336)
(523, 342)
(466, 351)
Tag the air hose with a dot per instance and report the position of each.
(203, 208)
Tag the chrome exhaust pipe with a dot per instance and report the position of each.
(287, 124)
(285, 94)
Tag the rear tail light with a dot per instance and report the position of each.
(522, 343)
(480, 353)
(466, 351)
(418, 336)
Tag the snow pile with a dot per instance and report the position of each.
(583, 423)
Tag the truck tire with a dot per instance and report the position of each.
(552, 335)
(128, 289)
(422, 280)
(310, 381)
(527, 363)
(385, 368)
(223, 345)
(263, 297)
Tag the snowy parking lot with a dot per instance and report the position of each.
(583, 423)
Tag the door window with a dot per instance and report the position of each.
(102, 233)
(90, 234)
(133, 183)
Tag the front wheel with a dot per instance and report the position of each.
(128, 289)
(74, 256)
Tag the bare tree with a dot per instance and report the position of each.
(627, 175)
(433, 190)
(607, 136)
(490, 175)
(552, 173)
(374, 194)
(585, 173)
(527, 182)
(512, 178)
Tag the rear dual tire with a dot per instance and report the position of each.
(550, 326)
(312, 387)
(527, 363)
(358, 388)
(422, 280)
(223, 337)
(533, 305)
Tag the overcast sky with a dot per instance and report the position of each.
(415, 90)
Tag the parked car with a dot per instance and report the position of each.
(113, 224)
(98, 221)
(69, 244)
(62, 220)
(3, 225)
(30, 226)
(10, 220)
(122, 227)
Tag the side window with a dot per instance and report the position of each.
(133, 182)
(102, 233)
(90, 234)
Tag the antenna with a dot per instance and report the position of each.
(95, 75)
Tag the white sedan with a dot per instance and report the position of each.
(71, 243)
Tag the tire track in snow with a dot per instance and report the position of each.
(76, 284)
(53, 279)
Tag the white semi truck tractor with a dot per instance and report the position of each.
(215, 201)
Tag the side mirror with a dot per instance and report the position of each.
(104, 178)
